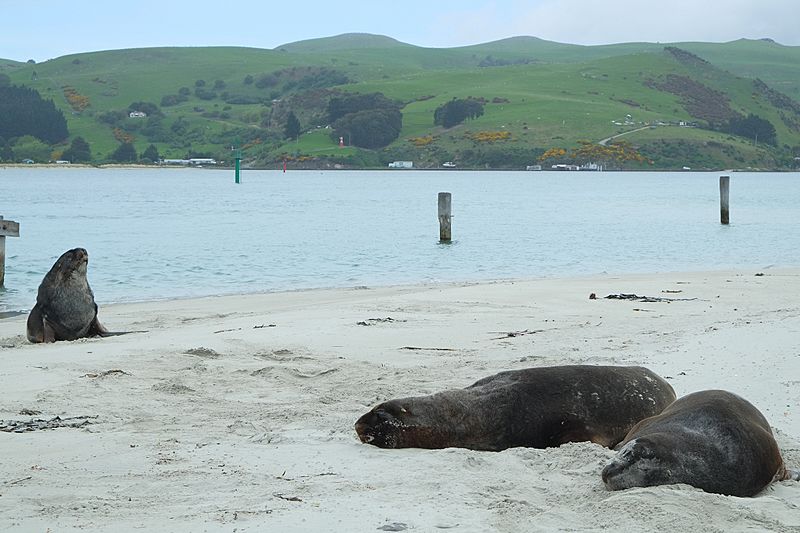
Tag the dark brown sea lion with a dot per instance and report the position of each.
(713, 440)
(534, 407)
(65, 308)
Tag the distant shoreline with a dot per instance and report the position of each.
(47, 166)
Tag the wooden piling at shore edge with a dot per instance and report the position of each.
(8, 228)
(445, 217)
(724, 199)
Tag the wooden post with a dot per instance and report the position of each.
(444, 216)
(8, 228)
(724, 189)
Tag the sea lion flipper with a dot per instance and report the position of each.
(97, 329)
(38, 329)
(49, 332)
(34, 328)
(791, 475)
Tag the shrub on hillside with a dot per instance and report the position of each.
(457, 111)
(372, 128)
(172, 99)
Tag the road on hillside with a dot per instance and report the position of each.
(605, 141)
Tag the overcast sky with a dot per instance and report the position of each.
(44, 29)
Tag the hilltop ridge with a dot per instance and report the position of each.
(537, 96)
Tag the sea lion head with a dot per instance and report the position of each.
(384, 425)
(641, 462)
(72, 263)
(402, 423)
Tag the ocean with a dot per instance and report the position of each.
(173, 233)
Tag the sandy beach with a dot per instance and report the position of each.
(236, 413)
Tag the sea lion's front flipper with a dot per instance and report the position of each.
(49, 332)
(37, 328)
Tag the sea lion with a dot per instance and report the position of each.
(65, 307)
(534, 407)
(713, 440)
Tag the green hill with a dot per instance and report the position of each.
(346, 41)
(538, 95)
(7, 65)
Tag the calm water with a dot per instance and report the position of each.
(187, 232)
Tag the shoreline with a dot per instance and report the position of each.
(772, 270)
(237, 411)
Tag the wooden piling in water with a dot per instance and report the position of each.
(445, 216)
(8, 228)
(724, 197)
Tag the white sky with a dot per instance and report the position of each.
(44, 29)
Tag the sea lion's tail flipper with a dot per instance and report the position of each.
(116, 333)
(96, 328)
(787, 474)
(99, 330)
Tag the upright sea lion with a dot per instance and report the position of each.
(65, 307)
(713, 440)
(533, 407)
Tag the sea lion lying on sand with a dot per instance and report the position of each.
(713, 440)
(533, 407)
(65, 309)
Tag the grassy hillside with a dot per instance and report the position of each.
(539, 95)
(7, 65)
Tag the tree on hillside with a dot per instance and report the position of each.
(292, 128)
(340, 106)
(78, 152)
(125, 153)
(373, 128)
(111, 117)
(204, 94)
(457, 111)
(29, 147)
(366, 120)
(151, 153)
(753, 127)
(24, 112)
(6, 152)
(172, 99)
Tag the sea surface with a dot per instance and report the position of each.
(169, 233)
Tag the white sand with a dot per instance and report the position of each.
(258, 434)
